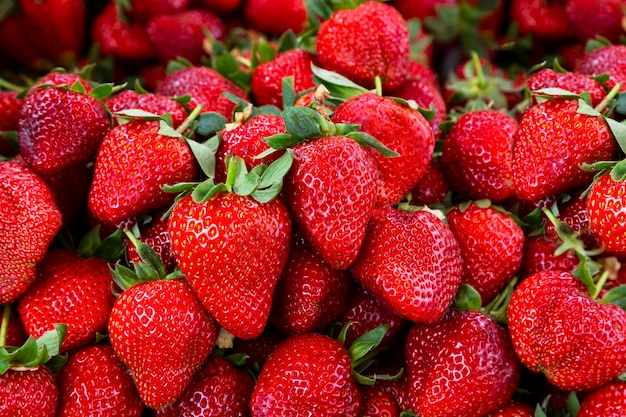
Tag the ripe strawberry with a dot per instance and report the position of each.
(539, 255)
(10, 110)
(150, 102)
(491, 247)
(369, 41)
(14, 30)
(161, 331)
(550, 163)
(59, 128)
(514, 409)
(32, 221)
(605, 206)
(257, 350)
(60, 79)
(266, 84)
(205, 86)
(383, 118)
(144, 10)
(431, 188)
(95, 382)
(545, 20)
(155, 235)
(310, 294)
(462, 365)
(260, 15)
(411, 261)
(15, 333)
(71, 290)
(557, 329)
(307, 374)
(218, 389)
(381, 404)
(26, 393)
(393, 390)
(133, 163)
(181, 34)
(570, 81)
(477, 155)
(607, 401)
(595, 18)
(610, 59)
(574, 213)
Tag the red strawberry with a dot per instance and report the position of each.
(610, 59)
(381, 404)
(218, 389)
(545, 20)
(432, 186)
(383, 118)
(574, 213)
(144, 10)
(549, 162)
(95, 382)
(161, 331)
(266, 84)
(557, 329)
(10, 110)
(514, 409)
(204, 86)
(26, 393)
(605, 208)
(607, 401)
(32, 219)
(411, 261)
(181, 34)
(257, 350)
(307, 374)
(477, 155)
(260, 15)
(156, 236)
(591, 18)
(394, 389)
(71, 290)
(60, 78)
(365, 42)
(133, 163)
(310, 294)
(539, 255)
(14, 30)
(152, 103)
(15, 333)
(59, 128)
(570, 81)
(463, 365)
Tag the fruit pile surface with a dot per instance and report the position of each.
(329, 208)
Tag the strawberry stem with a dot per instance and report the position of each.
(192, 116)
(6, 313)
(378, 84)
(607, 99)
(600, 284)
(10, 86)
(480, 75)
(231, 173)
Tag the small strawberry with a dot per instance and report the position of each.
(545, 20)
(411, 261)
(381, 404)
(95, 382)
(257, 350)
(260, 15)
(10, 110)
(556, 328)
(155, 235)
(221, 7)
(609, 59)
(463, 365)
(574, 213)
(570, 81)
(32, 219)
(605, 207)
(368, 41)
(218, 389)
(514, 409)
(539, 255)
(432, 186)
(589, 19)
(607, 401)
(150, 102)
(15, 333)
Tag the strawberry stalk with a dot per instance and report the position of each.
(6, 313)
(602, 105)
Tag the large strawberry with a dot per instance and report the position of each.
(463, 365)
(368, 41)
(605, 206)
(411, 261)
(31, 220)
(607, 401)
(559, 330)
(95, 382)
(401, 129)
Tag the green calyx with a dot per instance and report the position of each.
(110, 248)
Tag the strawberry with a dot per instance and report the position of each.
(257, 350)
(369, 41)
(545, 20)
(25, 393)
(411, 261)
(150, 102)
(307, 374)
(574, 213)
(10, 110)
(15, 333)
(15, 29)
(381, 404)
(133, 163)
(260, 15)
(95, 382)
(477, 155)
(550, 163)
(60, 127)
(72, 290)
(181, 34)
(595, 18)
(205, 86)
(310, 294)
(144, 10)
(432, 186)
(491, 246)
(559, 330)
(218, 389)
(570, 81)
(514, 409)
(266, 84)
(607, 401)
(609, 59)
(383, 118)
(462, 365)
(539, 255)
(155, 235)
(605, 205)
(32, 221)
(392, 390)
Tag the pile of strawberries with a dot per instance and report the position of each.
(313, 208)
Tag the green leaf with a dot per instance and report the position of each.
(207, 189)
(467, 298)
(52, 339)
(180, 187)
(539, 412)
(365, 343)
(614, 294)
(365, 139)
(177, 65)
(205, 154)
(338, 85)
(287, 41)
(167, 130)
(124, 277)
(586, 109)
(304, 123)
(78, 87)
(210, 123)
(573, 405)
(289, 93)
(112, 248)
(102, 91)
(277, 170)
(619, 132)
(266, 195)
(618, 173)
(137, 114)
(148, 256)
(281, 141)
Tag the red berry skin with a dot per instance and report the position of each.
(363, 43)
(153, 103)
(330, 191)
(401, 129)
(218, 389)
(31, 219)
(557, 329)
(606, 202)
(95, 382)
(463, 365)
(10, 110)
(552, 142)
(163, 334)
(31, 392)
(307, 374)
(381, 404)
(609, 60)
(514, 409)
(591, 18)
(570, 81)
(607, 401)
(544, 20)
(411, 261)
(261, 16)
(157, 237)
(432, 186)
(232, 250)
(538, 255)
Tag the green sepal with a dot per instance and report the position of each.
(262, 51)
(573, 404)
(615, 296)
(281, 141)
(362, 348)
(78, 87)
(539, 412)
(102, 91)
(619, 132)
(246, 182)
(497, 308)
(148, 256)
(7, 7)
(209, 123)
(467, 298)
(340, 87)
(226, 65)
(305, 123)
(124, 116)
(287, 41)
(408, 413)
(138, 88)
(317, 11)
(585, 108)
(341, 337)
(596, 43)
(618, 173)
(289, 92)
(237, 359)
(180, 187)
(365, 139)
(205, 154)
(165, 129)
(112, 248)
(206, 190)
(177, 65)
(33, 352)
